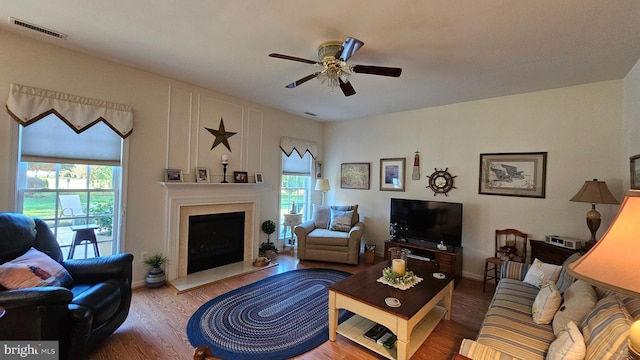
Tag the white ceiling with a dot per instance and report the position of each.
(450, 51)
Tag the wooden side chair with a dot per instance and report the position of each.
(510, 244)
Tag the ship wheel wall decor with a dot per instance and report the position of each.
(441, 182)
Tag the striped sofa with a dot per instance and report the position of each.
(509, 332)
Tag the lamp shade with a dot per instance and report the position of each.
(612, 262)
(323, 185)
(595, 192)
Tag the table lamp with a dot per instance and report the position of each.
(612, 263)
(323, 185)
(594, 192)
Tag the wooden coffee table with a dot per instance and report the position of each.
(412, 322)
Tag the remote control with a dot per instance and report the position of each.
(384, 338)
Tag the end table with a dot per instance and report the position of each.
(290, 220)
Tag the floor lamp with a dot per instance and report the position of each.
(323, 185)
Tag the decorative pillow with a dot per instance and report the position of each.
(33, 269)
(565, 279)
(606, 330)
(320, 216)
(355, 218)
(341, 220)
(546, 303)
(579, 300)
(540, 272)
(569, 345)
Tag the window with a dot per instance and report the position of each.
(295, 188)
(67, 195)
(70, 179)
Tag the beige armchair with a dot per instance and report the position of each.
(333, 234)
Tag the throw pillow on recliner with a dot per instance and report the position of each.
(33, 269)
(321, 215)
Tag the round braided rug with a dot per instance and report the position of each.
(275, 318)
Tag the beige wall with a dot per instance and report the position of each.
(631, 123)
(164, 136)
(580, 128)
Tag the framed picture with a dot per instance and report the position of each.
(240, 177)
(172, 175)
(354, 176)
(318, 169)
(392, 174)
(513, 174)
(259, 179)
(635, 172)
(202, 174)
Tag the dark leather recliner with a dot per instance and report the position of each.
(80, 317)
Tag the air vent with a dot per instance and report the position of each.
(37, 28)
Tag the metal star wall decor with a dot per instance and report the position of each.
(221, 135)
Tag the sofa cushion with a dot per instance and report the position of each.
(328, 237)
(340, 220)
(540, 272)
(569, 345)
(606, 330)
(546, 303)
(33, 269)
(565, 279)
(579, 300)
(508, 325)
(475, 350)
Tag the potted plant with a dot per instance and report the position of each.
(268, 248)
(156, 276)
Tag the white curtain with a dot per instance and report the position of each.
(289, 145)
(28, 104)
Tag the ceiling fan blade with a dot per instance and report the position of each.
(292, 58)
(348, 48)
(347, 88)
(302, 81)
(377, 70)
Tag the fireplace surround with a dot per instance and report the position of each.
(191, 199)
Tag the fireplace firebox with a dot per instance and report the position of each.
(215, 240)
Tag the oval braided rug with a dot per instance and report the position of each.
(275, 318)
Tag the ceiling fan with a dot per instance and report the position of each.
(333, 56)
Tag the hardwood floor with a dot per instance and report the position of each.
(155, 328)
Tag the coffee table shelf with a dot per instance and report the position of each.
(355, 327)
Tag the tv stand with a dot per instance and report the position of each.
(448, 261)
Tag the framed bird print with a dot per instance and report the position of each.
(513, 174)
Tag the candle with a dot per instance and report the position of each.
(398, 266)
(225, 159)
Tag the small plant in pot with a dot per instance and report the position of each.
(156, 276)
(268, 248)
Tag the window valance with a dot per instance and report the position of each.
(288, 145)
(28, 104)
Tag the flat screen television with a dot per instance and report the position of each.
(430, 221)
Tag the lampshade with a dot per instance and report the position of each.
(612, 262)
(323, 185)
(595, 192)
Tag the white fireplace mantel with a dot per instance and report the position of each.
(201, 195)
